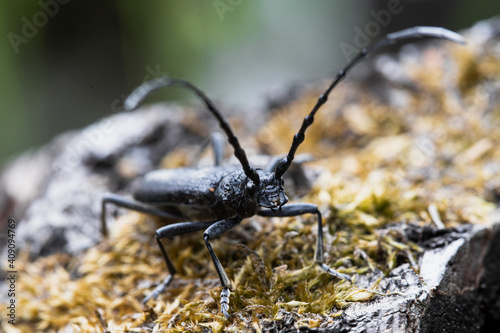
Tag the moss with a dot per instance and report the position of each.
(380, 162)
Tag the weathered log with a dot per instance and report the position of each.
(67, 177)
(456, 289)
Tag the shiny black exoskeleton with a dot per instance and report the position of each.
(216, 199)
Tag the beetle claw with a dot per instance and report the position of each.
(224, 302)
(333, 272)
(158, 290)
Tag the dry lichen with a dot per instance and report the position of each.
(430, 141)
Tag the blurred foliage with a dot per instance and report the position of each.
(87, 56)
(72, 69)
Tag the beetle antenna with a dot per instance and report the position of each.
(415, 32)
(139, 94)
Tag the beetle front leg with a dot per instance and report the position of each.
(217, 229)
(301, 209)
(171, 230)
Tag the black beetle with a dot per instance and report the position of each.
(216, 199)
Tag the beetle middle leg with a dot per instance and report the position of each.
(213, 229)
(217, 229)
(301, 209)
(216, 140)
(171, 230)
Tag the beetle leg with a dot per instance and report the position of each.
(130, 204)
(216, 140)
(170, 231)
(307, 208)
(217, 229)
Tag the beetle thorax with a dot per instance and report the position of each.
(233, 196)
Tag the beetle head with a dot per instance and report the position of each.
(270, 192)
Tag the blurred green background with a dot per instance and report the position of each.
(67, 63)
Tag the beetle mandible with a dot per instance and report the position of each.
(216, 199)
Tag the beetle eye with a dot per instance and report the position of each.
(269, 187)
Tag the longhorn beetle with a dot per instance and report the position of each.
(218, 198)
